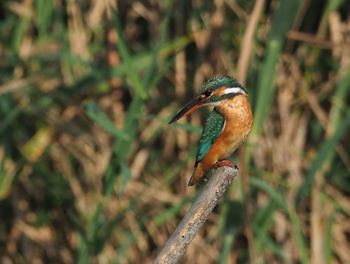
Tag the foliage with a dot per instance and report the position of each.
(90, 171)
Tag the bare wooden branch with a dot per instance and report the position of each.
(196, 216)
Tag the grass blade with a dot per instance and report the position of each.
(326, 149)
(286, 12)
(100, 118)
(280, 201)
(124, 52)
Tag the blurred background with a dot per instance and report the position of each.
(90, 171)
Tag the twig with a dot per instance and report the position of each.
(311, 39)
(196, 216)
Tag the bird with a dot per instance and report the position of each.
(226, 127)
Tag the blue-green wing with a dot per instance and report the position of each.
(211, 130)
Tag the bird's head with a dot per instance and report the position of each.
(213, 92)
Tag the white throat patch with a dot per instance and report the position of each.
(234, 90)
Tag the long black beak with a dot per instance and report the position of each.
(190, 107)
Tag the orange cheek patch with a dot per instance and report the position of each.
(220, 91)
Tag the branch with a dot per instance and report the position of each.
(196, 216)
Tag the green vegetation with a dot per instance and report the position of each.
(90, 171)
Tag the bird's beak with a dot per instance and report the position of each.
(189, 108)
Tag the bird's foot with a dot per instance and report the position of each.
(228, 163)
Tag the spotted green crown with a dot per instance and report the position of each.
(220, 81)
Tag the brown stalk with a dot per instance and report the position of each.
(247, 44)
(196, 216)
(242, 72)
(310, 39)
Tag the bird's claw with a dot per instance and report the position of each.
(227, 163)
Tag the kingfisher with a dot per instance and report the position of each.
(226, 127)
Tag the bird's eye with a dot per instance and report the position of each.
(207, 93)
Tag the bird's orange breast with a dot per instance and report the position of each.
(238, 123)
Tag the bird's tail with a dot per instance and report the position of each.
(197, 174)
